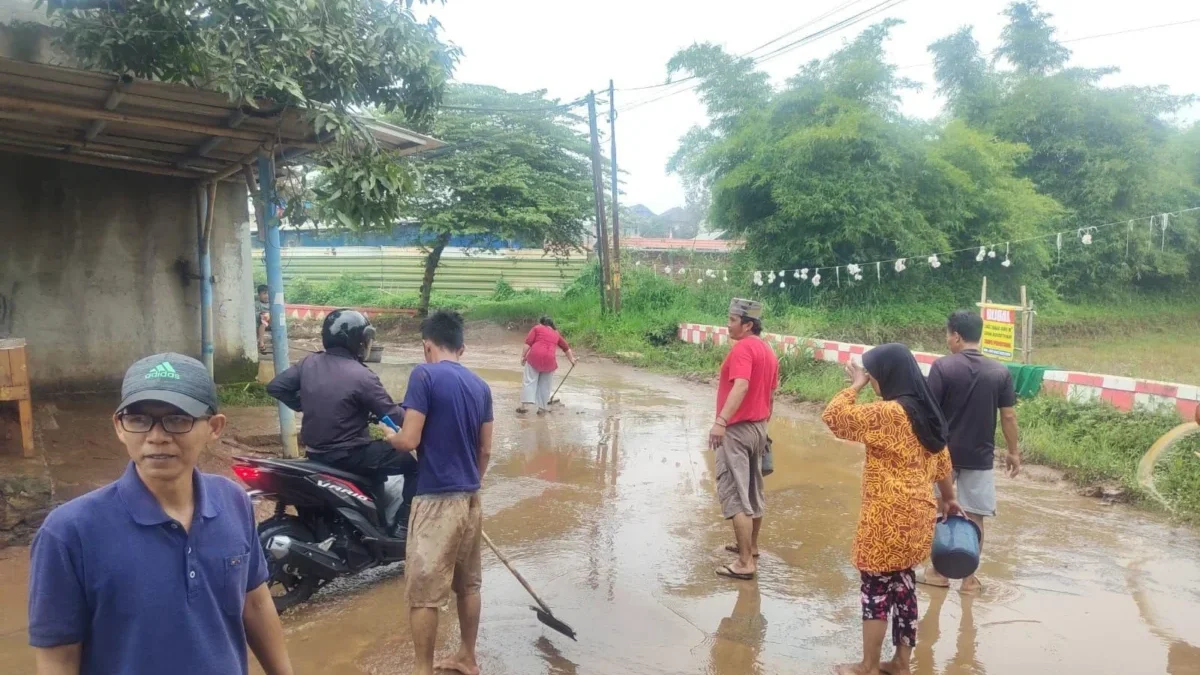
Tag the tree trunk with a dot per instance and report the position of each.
(431, 264)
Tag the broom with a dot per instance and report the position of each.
(560, 384)
(543, 611)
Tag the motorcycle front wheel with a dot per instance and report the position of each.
(288, 589)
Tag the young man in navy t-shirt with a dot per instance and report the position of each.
(448, 421)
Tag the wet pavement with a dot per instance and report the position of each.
(607, 507)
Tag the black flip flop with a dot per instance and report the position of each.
(728, 572)
(733, 548)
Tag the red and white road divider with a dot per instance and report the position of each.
(319, 312)
(1124, 393)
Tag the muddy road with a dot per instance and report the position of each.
(607, 507)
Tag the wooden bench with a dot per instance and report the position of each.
(14, 386)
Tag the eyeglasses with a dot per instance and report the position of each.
(136, 423)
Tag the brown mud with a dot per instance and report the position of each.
(607, 507)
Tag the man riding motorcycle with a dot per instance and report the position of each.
(339, 396)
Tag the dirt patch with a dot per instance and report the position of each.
(25, 498)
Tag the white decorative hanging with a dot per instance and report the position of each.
(682, 271)
(782, 273)
(758, 280)
(804, 274)
(837, 273)
(992, 252)
(666, 270)
(878, 273)
(816, 280)
(982, 252)
(710, 274)
(1007, 262)
(1166, 218)
(770, 277)
(638, 263)
(1059, 246)
(853, 269)
(782, 285)
(900, 266)
(699, 280)
(934, 262)
(797, 274)
(724, 276)
(1085, 236)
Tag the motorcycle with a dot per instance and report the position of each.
(343, 524)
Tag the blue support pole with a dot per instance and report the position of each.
(203, 242)
(279, 339)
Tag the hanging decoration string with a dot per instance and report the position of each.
(985, 251)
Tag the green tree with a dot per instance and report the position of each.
(326, 57)
(1028, 43)
(516, 168)
(964, 77)
(731, 89)
(1098, 151)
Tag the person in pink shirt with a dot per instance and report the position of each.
(540, 360)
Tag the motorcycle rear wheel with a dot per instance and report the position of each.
(287, 588)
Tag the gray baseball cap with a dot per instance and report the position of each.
(170, 378)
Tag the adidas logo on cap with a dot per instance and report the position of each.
(162, 370)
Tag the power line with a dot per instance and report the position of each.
(807, 39)
(797, 29)
(823, 32)
(1084, 38)
(485, 109)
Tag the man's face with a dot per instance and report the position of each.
(737, 329)
(161, 455)
(954, 341)
(262, 296)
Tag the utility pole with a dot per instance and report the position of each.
(616, 219)
(598, 187)
(271, 257)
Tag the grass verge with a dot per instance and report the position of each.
(1096, 443)
(244, 395)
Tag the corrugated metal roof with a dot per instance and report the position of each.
(154, 127)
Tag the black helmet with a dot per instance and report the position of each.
(349, 330)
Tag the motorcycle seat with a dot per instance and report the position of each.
(317, 467)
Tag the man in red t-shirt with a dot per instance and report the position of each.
(745, 400)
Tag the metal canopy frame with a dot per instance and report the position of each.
(153, 127)
(166, 129)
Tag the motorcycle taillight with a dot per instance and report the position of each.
(247, 473)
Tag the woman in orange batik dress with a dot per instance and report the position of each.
(905, 439)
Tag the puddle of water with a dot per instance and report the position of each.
(607, 507)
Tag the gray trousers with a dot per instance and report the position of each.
(535, 387)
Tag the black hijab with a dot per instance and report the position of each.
(900, 380)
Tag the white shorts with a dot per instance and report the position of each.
(976, 490)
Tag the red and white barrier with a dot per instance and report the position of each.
(1124, 393)
(823, 350)
(319, 312)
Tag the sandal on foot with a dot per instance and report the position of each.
(727, 571)
(733, 548)
(924, 581)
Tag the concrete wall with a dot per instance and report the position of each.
(88, 271)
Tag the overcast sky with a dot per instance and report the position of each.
(568, 47)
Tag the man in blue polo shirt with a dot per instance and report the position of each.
(448, 421)
(161, 571)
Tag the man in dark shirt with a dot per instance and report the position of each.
(971, 389)
(448, 421)
(338, 395)
(161, 571)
